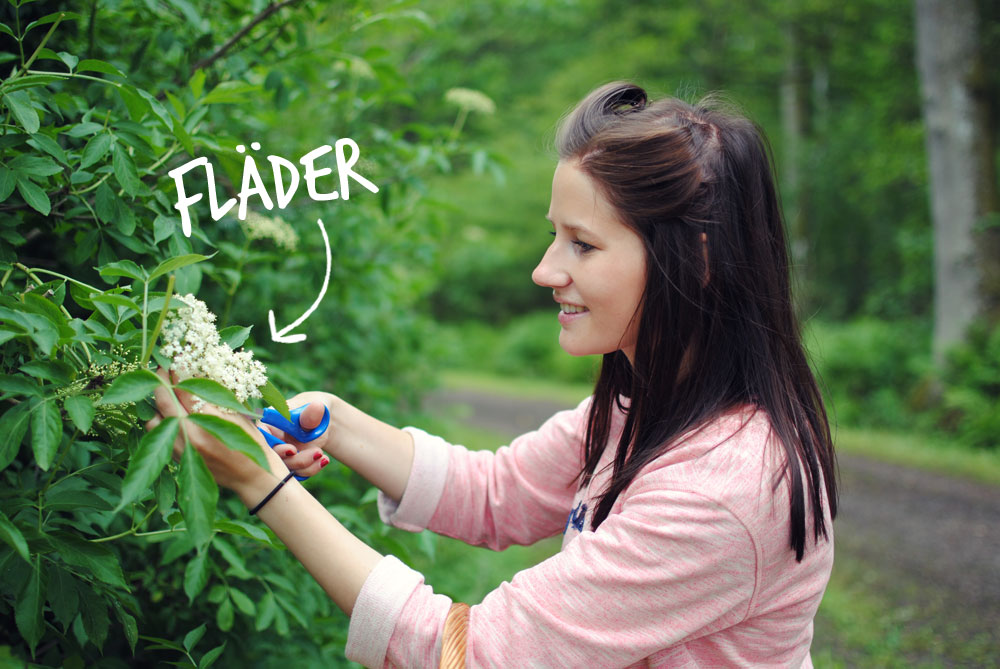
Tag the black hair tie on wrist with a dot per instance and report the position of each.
(253, 511)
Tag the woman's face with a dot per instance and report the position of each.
(596, 267)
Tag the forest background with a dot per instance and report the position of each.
(453, 106)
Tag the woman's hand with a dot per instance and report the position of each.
(229, 467)
(307, 458)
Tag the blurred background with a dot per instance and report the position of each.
(883, 118)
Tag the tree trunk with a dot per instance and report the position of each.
(793, 132)
(960, 153)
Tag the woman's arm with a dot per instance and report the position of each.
(339, 561)
(378, 451)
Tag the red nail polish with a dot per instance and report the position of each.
(323, 463)
(317, 455)
(289, 454)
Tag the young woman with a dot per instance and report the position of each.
(694, 490)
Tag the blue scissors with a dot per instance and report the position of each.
(292, 427)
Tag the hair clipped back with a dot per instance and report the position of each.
(717, 328)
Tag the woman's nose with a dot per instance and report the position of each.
(548, 272)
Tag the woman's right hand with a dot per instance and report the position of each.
(307, 458)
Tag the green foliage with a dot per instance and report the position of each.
(970, 406)
(108, 549)
(872, 372)
(527, 346)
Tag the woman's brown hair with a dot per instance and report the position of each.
(696, 183)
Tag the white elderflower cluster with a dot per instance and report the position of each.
(470, 100)
(192, 342)
(257, 226)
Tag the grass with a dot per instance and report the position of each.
(859, 624)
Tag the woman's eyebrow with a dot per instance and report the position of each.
(573, 227)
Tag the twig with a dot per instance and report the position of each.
(221, 51)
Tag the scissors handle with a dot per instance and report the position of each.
(272, 417)
(294, 427)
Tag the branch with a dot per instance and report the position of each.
(221, 51)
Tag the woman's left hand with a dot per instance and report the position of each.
(229, 467)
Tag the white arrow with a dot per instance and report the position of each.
(281, 336)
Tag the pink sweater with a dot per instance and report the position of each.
(692, 568)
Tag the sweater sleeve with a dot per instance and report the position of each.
(669, 567)
(517, 495)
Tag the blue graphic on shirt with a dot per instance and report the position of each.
(576, 517)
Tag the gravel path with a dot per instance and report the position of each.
(928, 543)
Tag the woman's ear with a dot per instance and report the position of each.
(704, 255)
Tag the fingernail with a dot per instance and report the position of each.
(317, 455)
(289, 454)
(324, 462)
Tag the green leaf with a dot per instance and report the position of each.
(13, 537)
(51, 18)
(56, 371)
(94, 558)
(172, 264)
(150, 458)
(46, 432)
(63, 595)
(129, 625)
(165, 491)
(22, 385)
(242, 602)
(80, 410)
(13, 425)
(69, 59)
(49, 146)
(115, 300)
(28, 610)
(214, 392)
(137, 105)
(192, 638)
(230, 91)
(195, 579)
(197, 83)
(233, 557)
(183, 137)
(5, 29)
(234, 335)
(224, 616)
(19, 104)
(132, 386)
(232, 435)
(96, 622)
(8, 180)
(96, 148)
(122, 268)
(125, 171)
(197, 496)
(268, 607)
(34, 196)
(36, 166)
(94, 65)
(273, 396)
(209, 658)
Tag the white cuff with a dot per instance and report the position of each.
(376, 610)
(424, 486)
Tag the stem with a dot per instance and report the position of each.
(459, 122)
(231, 293)
(147, 352)
(57, 274)
(130, 531)
(145, 312)
(33, 277)
(41, 45)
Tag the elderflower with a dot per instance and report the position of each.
(470, 100)
(192, 342)
(257, 226)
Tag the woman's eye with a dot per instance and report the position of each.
(552, 232)
(583, 246)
